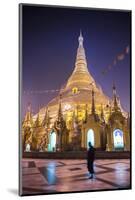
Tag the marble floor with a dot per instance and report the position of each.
(43, 176)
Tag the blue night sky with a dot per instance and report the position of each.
(49, 46)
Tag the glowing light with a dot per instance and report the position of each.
(52, 144)
(90, 137)
(74, 90)
(118, 138)
(67, 107)
(27, 148)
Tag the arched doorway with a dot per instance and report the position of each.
(118, 139)
(52, 142)
(90, 137)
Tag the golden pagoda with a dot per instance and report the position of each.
(80, 113)
(77, 90)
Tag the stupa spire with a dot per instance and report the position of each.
(115, 100)
(80, 77)
(93, 103)
(81, 63)
(80, 39)
(60, 116)
(37, 121)
(28, 121)
(46, 119)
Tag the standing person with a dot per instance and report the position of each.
(90, 159)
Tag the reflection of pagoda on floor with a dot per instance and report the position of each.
(80, 113)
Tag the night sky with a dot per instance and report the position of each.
(49, 46)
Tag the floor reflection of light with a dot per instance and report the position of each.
(51, 170)
(121, 175)
(51, 165)
(58, 177)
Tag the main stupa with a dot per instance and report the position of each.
(76, 93)
(80, 113)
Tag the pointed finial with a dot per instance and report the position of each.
(29, 107)
(115, 99)
(60, 109)
(80, 39)
(114, 88)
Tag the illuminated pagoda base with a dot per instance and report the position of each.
(79, 114)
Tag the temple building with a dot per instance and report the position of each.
(79, 114)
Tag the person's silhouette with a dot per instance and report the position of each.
(90, 159)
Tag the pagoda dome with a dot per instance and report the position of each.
(77, 90)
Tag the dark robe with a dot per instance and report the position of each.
(90, 159)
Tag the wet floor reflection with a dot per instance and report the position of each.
(49, 173)
(72, 175)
